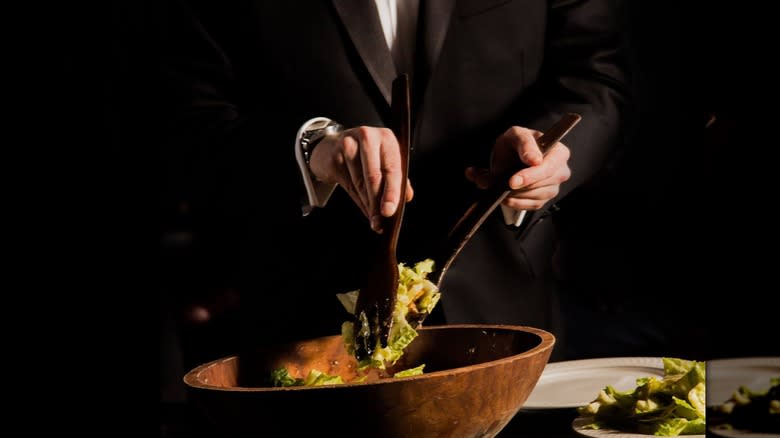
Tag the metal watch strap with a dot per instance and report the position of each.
(311, 137)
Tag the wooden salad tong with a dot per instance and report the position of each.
(487, 201)
(377, 297)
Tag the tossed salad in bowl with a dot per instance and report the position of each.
(416, 298)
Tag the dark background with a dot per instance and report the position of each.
(666, 264)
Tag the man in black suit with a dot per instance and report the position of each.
(487, 76)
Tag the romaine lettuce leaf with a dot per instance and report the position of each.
(282, 378)
(416, 371)
(416, 298)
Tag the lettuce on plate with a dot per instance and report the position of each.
(416, 298)
(672, 406)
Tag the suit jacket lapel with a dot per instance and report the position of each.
(361, 20)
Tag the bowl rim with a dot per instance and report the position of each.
(546, 343)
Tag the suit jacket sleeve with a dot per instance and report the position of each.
(584, 72)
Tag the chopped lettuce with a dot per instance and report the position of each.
(672, 406)
(282, 378)
(416, 371)
(417, 296)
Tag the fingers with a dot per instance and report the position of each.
(391, 174)
(355, 179)
(534, 185)
(553, 168)
(514, 149)
(366, 163)
(372, 177)
(523, 142)
(533, 199)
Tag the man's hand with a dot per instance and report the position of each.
(534, 185)
(366, 162)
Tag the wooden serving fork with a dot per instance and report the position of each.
(377, 297)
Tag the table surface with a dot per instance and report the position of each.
(180, 421)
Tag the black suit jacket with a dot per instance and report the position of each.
(245, 75)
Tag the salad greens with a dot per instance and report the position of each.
(674, 405)
(416, 298)
(756, 411)
(281, 377)
(416, 371)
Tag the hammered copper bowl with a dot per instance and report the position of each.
(476, 379)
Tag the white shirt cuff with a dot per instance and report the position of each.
(512, 216)
(317, 192)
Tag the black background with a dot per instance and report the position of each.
(687, 214)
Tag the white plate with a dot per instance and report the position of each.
(725, 376)
(579, 426)
(576, 383)
(734, 433)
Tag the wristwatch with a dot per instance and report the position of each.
(314, 133)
